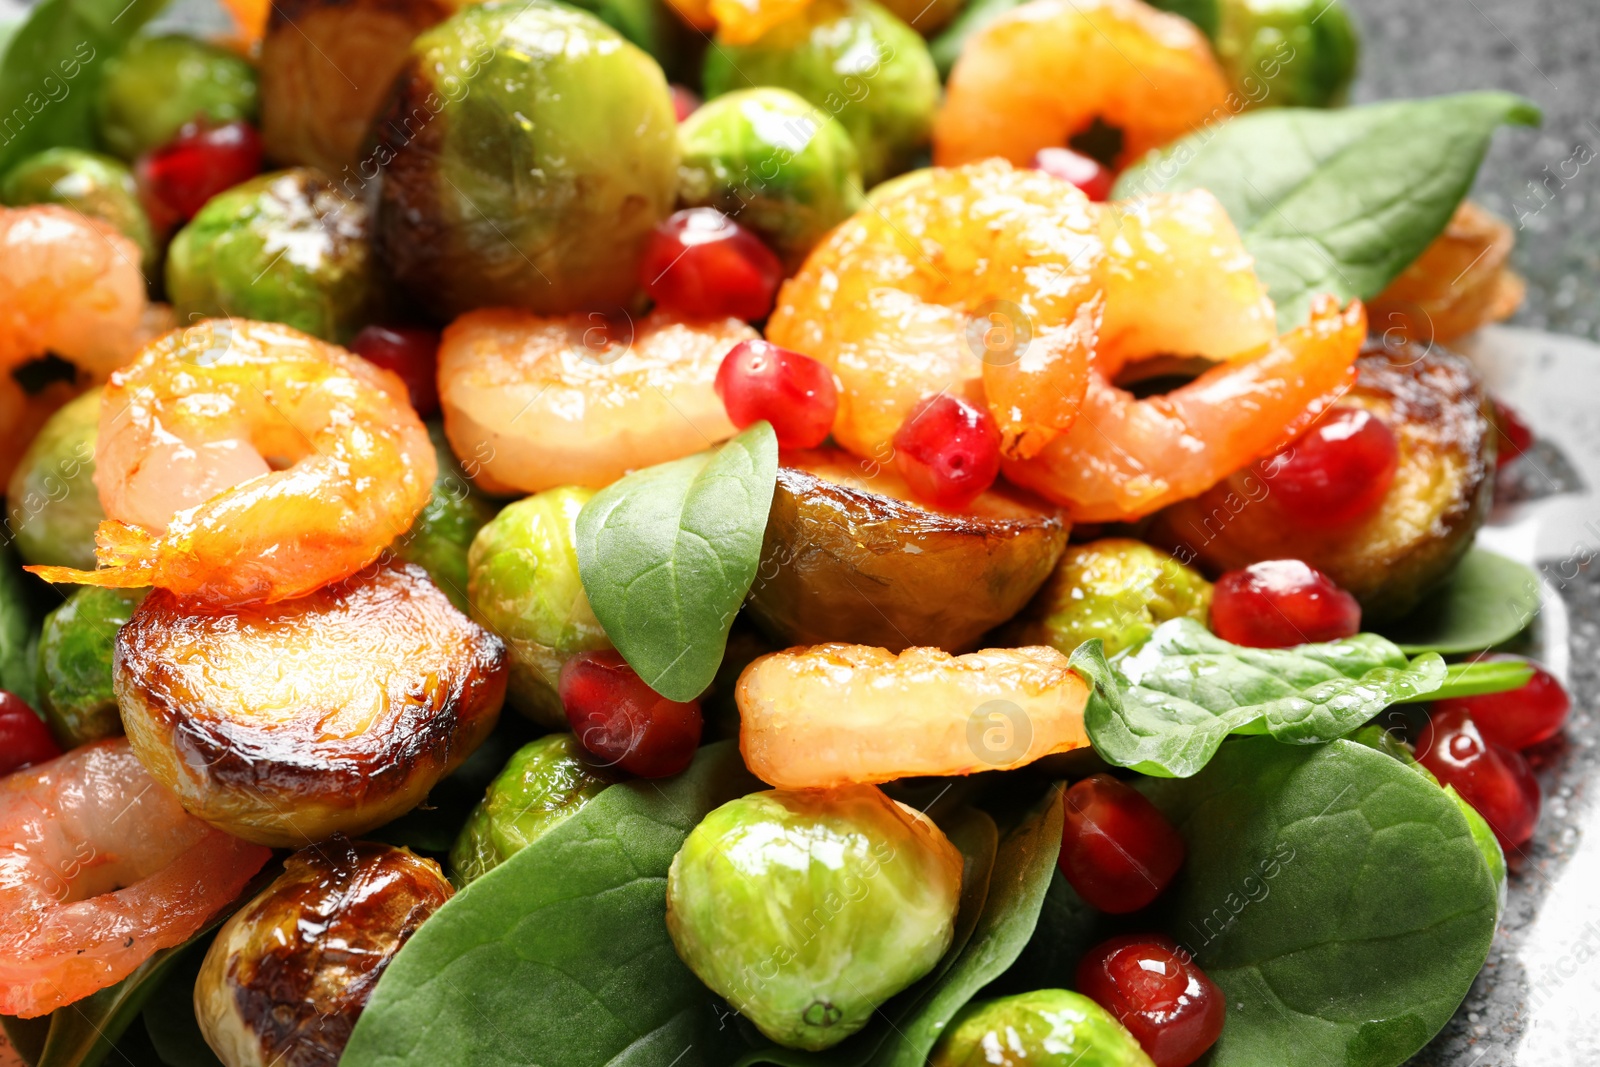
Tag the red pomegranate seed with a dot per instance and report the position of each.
(624, 723)
(24, 738)
(1336, 472)
(702, 264)
(178, 178)
(1281, 602)
(1519, 717)
(948, 450)
(1117, 850)
(1492, 778)
(1156, 991)
(1077, 168)
(795, 393)
(1512, 435)
(412, 352)
(684, 101)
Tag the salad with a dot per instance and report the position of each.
(819, 533)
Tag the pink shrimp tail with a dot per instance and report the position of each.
(126, 554)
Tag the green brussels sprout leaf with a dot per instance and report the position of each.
(1486, 601)
(76, 646)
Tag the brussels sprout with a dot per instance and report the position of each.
(52, 504)
(75, 649)
(856, 62)
(545, 783)
(1287, 53)
(806, 909)
(522, 582)
(527, 152)
(159, 83)
(440, 537)
(1116, 589)
(1045, 1028)
(775, 163)
(286, 247)
(89, 183)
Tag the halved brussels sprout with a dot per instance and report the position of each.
(1045, 1028)
(286, 247)
(53, 507)
(545, 783)
(75, 652)
(89, 183)
(158, 83)
(527, 152)
(290, 973)
(1287, 53)
(808, 909)
(856, 62)
(522, 582)
(442, 534)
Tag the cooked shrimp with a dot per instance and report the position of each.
(1459, 283)
(1042, 73)
(1127, 457)
(534, 401)
(245, 461)
(102, 868)
(981, 280)
(743, 21)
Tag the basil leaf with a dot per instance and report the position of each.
(1336, 201)
(668, 553)
(1487, 601)
(1165, 707)
(1338, 899)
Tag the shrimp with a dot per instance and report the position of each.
(1459, 283)
(244, 461)
(532, 402)
(744, 21)
(102, 868)
(1044, 72)
(981, 280)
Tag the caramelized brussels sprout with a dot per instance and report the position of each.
(289, 974)
(332, 713)
(52, 505)
(75, 650)
(807, 909)
(853, 558)
(522, 582)
(1045, 1028)
(1287, 53)
(527, 151)
(287, 247)
(158, 83)
(89, 183)
(855, 61)
(545, 783)
(440, 537)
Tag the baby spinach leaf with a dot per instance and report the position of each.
(1337, 898)
(1476, 679)
(18, 633)
(1487, 601)
(1164, 708)
(1336, 201)
(668, 553)
(169, 1018)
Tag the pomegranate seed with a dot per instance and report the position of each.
(1511, 434)
(624, 723)
(1117, 850)
(948, 450)
(1281, 602)
(178, 178)
(684, 102)
(1155, 990)
(795, 393)
(1492, 778)
(1518, 717)
(702, 264)
(1337, 471)
(412, 352)
(24, 738)
(1077, 168)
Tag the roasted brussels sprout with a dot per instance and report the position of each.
(52, 505)
(1287, 53)
(854, 558)
(522, 582)
(1045, 1028)
(807, 909)
(332, 713)
(289, 974)
(286, 247)
(856, 62)
(775, 163)
(87, 182)
(1116, 589)
(440, 537)
(545, 783)
(159, 83)
(527, 151)
(75, 650)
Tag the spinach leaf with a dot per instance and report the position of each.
(1476, 679)
(169, 1018)
(1487, 601)
(1165, 707)
(668, 553)
(1337, 898)
(18, 633)
(1336, 201)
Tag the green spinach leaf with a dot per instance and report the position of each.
(169, 1018)
(1165, 707)
(668, 553)
(18, 631)
(1336, 201)
(1487, 601)
(1476, 679)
